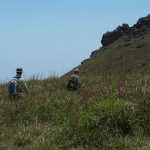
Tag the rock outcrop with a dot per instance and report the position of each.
(136, 30)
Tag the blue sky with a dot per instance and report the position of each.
(47, 37)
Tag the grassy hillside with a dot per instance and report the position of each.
(110, 112)
(122, 56)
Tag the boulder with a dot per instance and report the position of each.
(110, 37)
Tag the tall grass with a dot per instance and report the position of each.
(108, 112)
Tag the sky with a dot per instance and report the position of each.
(51, 37)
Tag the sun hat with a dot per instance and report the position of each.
(19, 70)
(76, 71)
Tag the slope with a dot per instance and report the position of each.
(127, 53)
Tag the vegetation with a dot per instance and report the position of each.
(110, 112)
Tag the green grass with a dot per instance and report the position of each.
(110, 112)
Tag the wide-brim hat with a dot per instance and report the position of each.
(19, 70)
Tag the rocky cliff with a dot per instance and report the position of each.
(136, 30)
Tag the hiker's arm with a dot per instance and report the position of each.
(24, 86)
(78, 81)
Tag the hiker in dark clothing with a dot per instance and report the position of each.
(74, 82)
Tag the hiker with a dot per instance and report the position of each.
(17, 86)
(74, 82)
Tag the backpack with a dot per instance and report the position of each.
(71, 83)
(13, 87)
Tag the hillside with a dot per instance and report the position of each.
(125, 50)
(111, 111)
